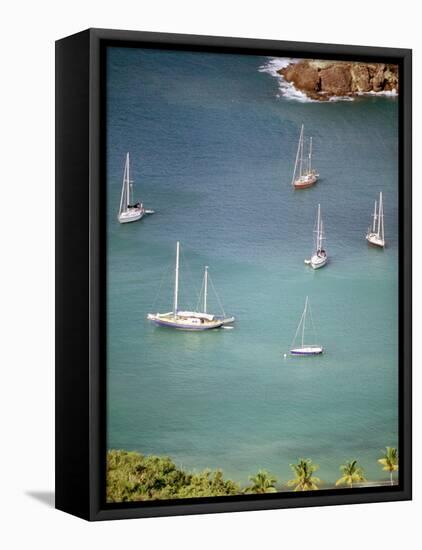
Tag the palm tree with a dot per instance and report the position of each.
(390, 461)
(304, 480)
(351, 473)
(262, 482)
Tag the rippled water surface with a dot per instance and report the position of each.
(212, 149)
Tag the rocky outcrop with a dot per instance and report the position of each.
(325, 79)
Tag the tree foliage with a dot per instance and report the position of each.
(390, 461)
(352, 473)
(304, 479)
(134, 477)
(262, 483)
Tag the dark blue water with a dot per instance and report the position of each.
(212, 150)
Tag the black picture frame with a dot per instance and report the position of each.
(81, 275)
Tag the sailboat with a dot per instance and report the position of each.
(305, 349)
(375, 233)
(190, 320)
(319, 256)
(304, 175)
(129, 211)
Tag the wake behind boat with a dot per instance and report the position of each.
(319, 256)
(375, 234)
(190, 320)
(304, 175)
(303, 348)
(129, 211)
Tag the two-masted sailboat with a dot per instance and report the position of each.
(129, 210)
(304, 175)
(190, 320)
(305, 348)
(375, 233)
(319, 256)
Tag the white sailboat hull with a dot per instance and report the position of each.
(319, 258)
(318, 261)
(195, 322)
(303, 174)
(129, 210)
(375, 240)
(307, 350)
(131, 215)
(189, 320)
(375, 233)
(305, 181)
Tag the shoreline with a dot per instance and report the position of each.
(309, 80)
(134, 477)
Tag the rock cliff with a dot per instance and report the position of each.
(325, 79)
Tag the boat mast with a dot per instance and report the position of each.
(318, 239)
(310, 156)
(374, 223)
(297, 156)
(319, 228)
(205, 288)
(122, 207)
(304, 319)
(176, 280)
(127, 180)
(301, 152)
(381, 219)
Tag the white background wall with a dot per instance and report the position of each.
(27, 35)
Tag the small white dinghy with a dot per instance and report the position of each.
(319, 256)
(375, 233)
(129, 210)
(303, 348)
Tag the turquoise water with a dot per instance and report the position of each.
(212, 149)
